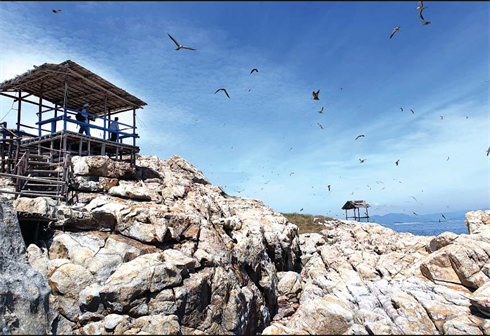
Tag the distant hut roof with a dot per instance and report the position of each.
(83, 87)
(355, 204)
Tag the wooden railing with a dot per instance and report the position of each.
(66, 118)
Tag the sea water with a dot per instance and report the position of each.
(430, 228)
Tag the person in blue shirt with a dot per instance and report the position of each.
(85, 128)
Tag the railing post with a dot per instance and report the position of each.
(19, 112)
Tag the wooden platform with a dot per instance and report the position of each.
(80, 144)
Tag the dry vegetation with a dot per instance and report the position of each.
(305, 222)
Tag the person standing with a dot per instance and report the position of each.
(84, 114)
(114, 126)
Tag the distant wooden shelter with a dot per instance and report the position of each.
(356, 205)
(35, 154)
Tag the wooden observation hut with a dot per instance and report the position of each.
(37, 155)
(356, 205)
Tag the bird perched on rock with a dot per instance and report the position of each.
(397, 161)
(251, 72)
(362, 160)
(394, 31)
(56, 11)
(425, 23)
(179, 46)
(421, 8)
(224, 90)
(321, 111)
(320, 125)
(360, 136)
(315, 95)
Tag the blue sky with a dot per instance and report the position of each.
(299, 47)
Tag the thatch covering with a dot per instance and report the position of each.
(355, 204)
(83, 87)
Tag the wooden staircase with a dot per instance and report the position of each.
(40, 175)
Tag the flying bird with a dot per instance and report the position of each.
(447, 159)
(414, 213)
(179, 46)
(315, 95)
(251, 72)
(320, 125)
(321, 111)
(56, 11)
(426, 22)
(397, 162)
(412, 111)
(301, 209)
(329, 187)
(443, 216)
(291, 174)
(360, 136)
(362, 160)
(224, 90)
(414, 198)
(488, 151)
(401, 108)
(421, 8)
(395, 30)
(442, 117)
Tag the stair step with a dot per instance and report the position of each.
(45, 171)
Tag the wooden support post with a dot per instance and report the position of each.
(40, 117)
(105, 112)
(102, 151)
(345, 214)
(80, 147)
(134, 127)
(88, 148)
(51, 145)
(117, 152)
(65, 101)
(53, 129)
(19, 106)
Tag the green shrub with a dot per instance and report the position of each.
(305, 222)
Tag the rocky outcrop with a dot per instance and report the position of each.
(372, 280)
(156, 248)
(24, 294)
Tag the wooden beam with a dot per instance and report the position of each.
(102, 88)
(24, 100)
(34, 179)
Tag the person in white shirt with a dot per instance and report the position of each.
(114, 126)
(85, 128)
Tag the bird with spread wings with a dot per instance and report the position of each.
(224, 90)
(179, 46)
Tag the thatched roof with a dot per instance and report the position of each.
(355, 204)
(83, 87)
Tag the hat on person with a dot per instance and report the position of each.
(86, 105)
